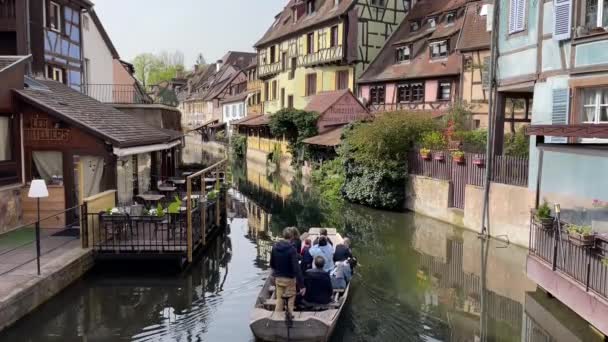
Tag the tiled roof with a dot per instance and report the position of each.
(384, 67)
(255, 121)
(329, 138)
(474, 34)
(90, 115)
(245, 119)
(235, 98)
(322, 101)
(284, 24)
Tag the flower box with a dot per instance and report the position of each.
(581, 240)
(479, 161)
(121, 217)
(439, 156)
(545, 223)
(425, 155)
(458, 159)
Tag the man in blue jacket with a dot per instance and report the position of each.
(286, 271)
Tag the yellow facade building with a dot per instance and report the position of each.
(321, 45)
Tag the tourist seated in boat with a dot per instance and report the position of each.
(322, 232)
(318, 284)
(307, 259)
(286, 271)
(343, 251)
(341, 274)
(325, 250)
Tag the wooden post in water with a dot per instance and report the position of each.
(203, 204)
(217, 200)
(189, 216)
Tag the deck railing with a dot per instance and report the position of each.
(130, 94)
(506, 170)
(582, 264)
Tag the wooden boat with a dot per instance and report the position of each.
(316, 325)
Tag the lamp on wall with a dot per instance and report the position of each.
(38, 190)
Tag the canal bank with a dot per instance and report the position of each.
(419, 279)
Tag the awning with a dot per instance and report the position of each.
(258, 121)
(220, 125)
(131, 151)
(599, 131)
(328, 139)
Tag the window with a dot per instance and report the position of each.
(6, 139)
(266, 91)
(432, 22)
(450, 17)
(410, 92)
(517, 15)
(274, 90)
(376, 94)
(334, 37)
(294, 64)
(290, 101)
(342, 79)
(596, 13)
(55, 17)
(595, 105)
(311, 84)
(273, 54)
(282, 97)
(310, 43)
(55, 73)
(336, 2)
(414, 26)
(439, 49)
(402, 54)
(310, 7)
(444, 91)
(378, 3)
(284, 61)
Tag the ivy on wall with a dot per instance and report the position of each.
(295, 125)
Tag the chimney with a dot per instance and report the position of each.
(219, 64)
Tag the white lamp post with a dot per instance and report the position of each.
(38, 190)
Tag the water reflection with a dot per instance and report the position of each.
(418, 280)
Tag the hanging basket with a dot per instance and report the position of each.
(459, 159)
(425, 155)
(479, 161)
(581, 240)
(439, 156)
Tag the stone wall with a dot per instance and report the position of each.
(509, 207)
(10, 209)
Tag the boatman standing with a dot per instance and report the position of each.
(286, 271)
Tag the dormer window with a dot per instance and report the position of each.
(439, 49)
(336, 2)
(310, 7)
(378, 3)
(414, 26)
(450, 17)
(403, 54)
(432, 22)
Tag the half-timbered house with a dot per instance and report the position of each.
(51, 31)
(420, 66)
(322, 45)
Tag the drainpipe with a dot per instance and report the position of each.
(485, 221)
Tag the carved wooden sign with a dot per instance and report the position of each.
(40, 128)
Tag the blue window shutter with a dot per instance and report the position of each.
(562, 19)
(559, 113)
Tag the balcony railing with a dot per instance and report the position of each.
(329, 55)
(130, 94)
(269, 69)
(584, 265)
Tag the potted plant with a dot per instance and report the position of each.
(425, 153)
(155, 214)
(458, 157)
(581, 236)
(113, 214)
(478, 160)
(439, 156)
(543, 216)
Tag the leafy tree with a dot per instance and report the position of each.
(518, 144)
(473, 141)
(295, 125)
(153, 69)
(433, 140)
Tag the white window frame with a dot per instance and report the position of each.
(56, 74)
(513, 14)
(597, 105)
(439, 43)
(59, 18)
(600, 12)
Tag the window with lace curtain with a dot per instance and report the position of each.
(595, 105)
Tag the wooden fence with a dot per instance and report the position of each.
(506, 170)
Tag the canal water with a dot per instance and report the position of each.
(418, 280)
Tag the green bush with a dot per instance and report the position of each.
(295, 125)
(329, 179)
(518, 144)
(433, 140)
(238, 145)
(473, 141)
(374, 156)
(458, 117)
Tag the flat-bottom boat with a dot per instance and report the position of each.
(314, 325)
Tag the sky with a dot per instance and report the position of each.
(209, 27)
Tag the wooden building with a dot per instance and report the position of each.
(82, 147)
(421, 66)
(315, 46)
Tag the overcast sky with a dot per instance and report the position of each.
(209, 26)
